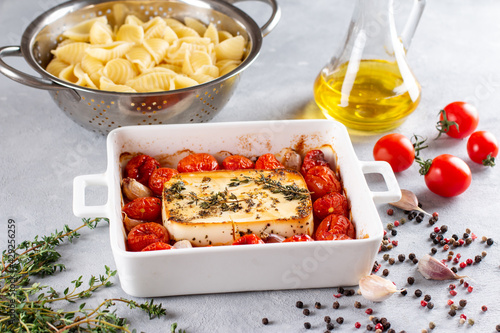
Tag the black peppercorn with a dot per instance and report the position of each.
(415, 261)
(468, 241)
(478, 259)
(394, 232)
(427, 298)
(299, 304)
(435, 241)
(357, 305)
(411, 256)
(306, 312)
(462, 302)
(265, 321)
(340, 290)
(498, 328)
(411, 280)
(489, 241)
(307, 325)
(340, 320)
(465, 236)
(392, 261)
(419, 219)
(391, 330)
(385, 272)
(327, 319)
(401, 257)
(369, 327)
(454, 270)
(387, 325)
(317, 305)
(404, 292)
(434, 250)
(329, 326)
(336, 305)
(350, 292)
(430, 305)
(444, 228)
(418, 292)
(383, 320)
(432, 235)
(452, 313)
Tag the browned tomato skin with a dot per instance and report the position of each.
(332, 203)
(157, 246)
(141, 167)
(335, 227)
(159, 177)
(237, 162)
(145, 234)
(313, 158)
(248, 240)
(145, 209)
(198, 162)
(299, 238)
(321, 180)
(268, 162)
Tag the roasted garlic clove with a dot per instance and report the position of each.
(130, 223)
(290, 159)
(182, 244)
(132, 189)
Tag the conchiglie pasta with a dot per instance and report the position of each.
(136, 56)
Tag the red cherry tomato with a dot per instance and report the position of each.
(313, 158)
(140, 168)
(332, 203)
(145, 234)
(458, 120)
(321, 180)
(299, 238)
(268, 162)
(248, 239)
(482, 148)
(145, 209)
(237, 162)
(396, 149)
(159, 177)
(157, 246)
(198, 162)
(448, 176)
(335, 227)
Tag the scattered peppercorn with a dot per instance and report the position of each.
(484, 239)
(402, 220)
(265, 321)
(299, 304)
(327, 319)
(306, 312)
(454, 307)
(340, 290)
(411, 280)
(415, 261)
(357, 305)
(390, 211)
(453, 293)
(484, 308)
(390, 226)
(401, 257)
(489, 241)
(471, 321)
(392, 261)
(391, 330)
(434, 250)
(477, 259)
(454, 269)
(385, 272)
(340, 320)
(411, 256)
(427, 298)
(430, 305)
(423, 303)
(468, 241)
(404, 292)
(369, 311)
(369, 327)
(444, 228)
(452, 313)
(336, 305)
(483, 254)
(418, 292)
(498, 328)
(357, 324)
(307, 325)
(317, 305)
(419, 219)
(432, 325)
(469, 289)
(394, 232)
(465, 235)
(329, 326)
(386, 256)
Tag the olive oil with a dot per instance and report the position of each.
(371, 95)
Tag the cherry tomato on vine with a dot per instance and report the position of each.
(237, 162)
(140, 168)
(248, 239)
(321, 180)
(157, 246)
(145, 234)
(332, 203)
(145, 209)
(458, 120)
(299, 238)
(198, 162)
(159, 177)
(335, 227)
(313, 158)
(482, 148)
(268, 162)
(396, 149)
(448, 176)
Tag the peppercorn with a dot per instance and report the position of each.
(432, 325)
(411, 216)
(327, 331)
(401, 257)
(489, 241)
(411, 280)
(498, 328)
(404, 292)
(391, 330)
(465, 235)
(444, 228)
(299, 304)
(386, 256)
(392, 261)
(357, 305)
(340, 320)
(411, 256)
(402, 220)
(419, 219)
(336, 305)
(415, 261)
(454, 236)
(265, 321)
(385, 272)
(454, 270)
(390, 211)
(386, 325)
(390, 246)
(329, 326)
(454, 307)
(462, 303)
(484, 308)
(390, 226)
(369, 311)
(471, 321)
(430, 305)
(435, 241)
(383, 248)
(340, 290)
(418, 292)
(434, 250)
(432, 235)
(452, 313)
(317, 305)
(394, 232)
(468, 241)
(307, 325)
(427, 298)
(369, 327)
(306, 312)
(350, 292)
(483, 254)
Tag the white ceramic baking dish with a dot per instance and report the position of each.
(251, 267)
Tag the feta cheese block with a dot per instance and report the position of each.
(218, 207)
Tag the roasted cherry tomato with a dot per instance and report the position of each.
(299, 238)
(141, 167)
(248, 239)
(159, 177)
(482, 148)
(313, 158)
(145, 234)
(321, 180)
(396, 149)
(458, 120)
(145, 209)
(198, 162)
(335, 227)
(157, 246)
(448, 176)
(332, 203)
(268, 162)
(237, 162)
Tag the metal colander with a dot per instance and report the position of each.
(102, 111)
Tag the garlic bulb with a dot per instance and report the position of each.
(433, 269)
(133, 189)
(376, 289)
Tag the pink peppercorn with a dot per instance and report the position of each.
(435, 214)
(458, 256)
(452, 286)
(423, 303)
(469, 261)
(379, 326)
(470, 289)
(455, 260)
(484, 308)
(396, 223)
(466, 284)
(395, 243)
(337, 295)
(437, 229)
(446, 247)
(461, 242)
(450, 302)
(473, 236)
(462, 316)
(453, 293)
(369, 311)
(463, 265)
(390, 211)
(357, 324)
(385, 232)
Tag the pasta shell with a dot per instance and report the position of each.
(130, 33)
(223, 35)
(132, 19)
(81, 31)
(149, 82)
(181, 82)
(71, 53)
(109, 51)
(120, 12)
(55, 66)
(154, 28)
(173, 23)
(119, 71)
(184, 31)
(139, 56)
(196, 25)
(108, 85)
(176, 69)
(83, 78)
(232, 48)
(226, 66)
(212, 33)
(157, 47)
(210, 70)
(68, 75)
(201, 78)
(169, 35)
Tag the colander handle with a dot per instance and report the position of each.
(273, 20)
(80, 184)
(21, 77)
(393, 192)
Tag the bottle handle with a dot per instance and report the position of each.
(412, 23)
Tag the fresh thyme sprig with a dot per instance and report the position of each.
(28, 307)
(291, 192)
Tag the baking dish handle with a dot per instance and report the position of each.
(393, 192)
(273, 20)
(80, 184)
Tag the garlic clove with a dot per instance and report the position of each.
(130, 223)
(273, 238)
(133, 189)
(290, 159)
(182, 244)
(433, 269)
(408, 201)
(376, 289)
